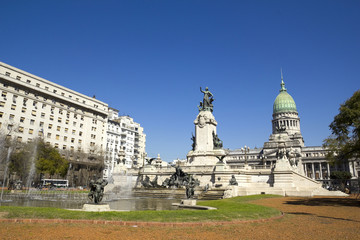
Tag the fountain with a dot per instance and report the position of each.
(5, 173)
(32, 168)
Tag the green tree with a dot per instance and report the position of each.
(19, 164)
(344, 142)
(50, 161)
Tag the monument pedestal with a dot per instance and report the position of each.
(201, 158)
(96, 207)
(188, 202)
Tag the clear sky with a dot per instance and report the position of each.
(149, 58)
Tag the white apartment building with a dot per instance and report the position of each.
(72, 122)
(65, 118)
(125, 143)
(35, 107)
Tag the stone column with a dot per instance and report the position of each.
(328, 169)
(321, 174)
(313, 170)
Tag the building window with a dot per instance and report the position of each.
(7, 73)
(57, 137)
(28, 81)
(67, 121)
(11, 117)
(65, 138)
(64, 147)
(80, 134)
(56, 145)
(31, 131)
(50, 126)
(80, 141)
(74, 124)
(23, 110)
(66, 130)
(51, 117)
(33, 113)
(41, 124)
(73, 131)
(13, 107)
(72, 140)
(2, 104)
(21, 129)
(32, 121)
(1, 114)
(46, 88)
(19, 139)
(58, 128)
(42, 115)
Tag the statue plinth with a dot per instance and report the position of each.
(201, 158)
(96, 207)
(189, 202)
(205, 127)
(205, 145)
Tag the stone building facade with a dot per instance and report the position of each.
(286, 130)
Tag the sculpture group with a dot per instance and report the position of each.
(97, 190)
(179, 179)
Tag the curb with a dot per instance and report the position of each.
(136, 224)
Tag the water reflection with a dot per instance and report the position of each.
(131, 204)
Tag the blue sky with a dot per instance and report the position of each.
(149, 58)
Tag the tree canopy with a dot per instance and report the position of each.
(344, 142)
(47, 160)
(50, 161)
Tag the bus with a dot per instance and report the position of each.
(55, 182)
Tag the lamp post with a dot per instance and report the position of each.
(245, 150)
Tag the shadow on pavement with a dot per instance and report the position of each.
(343, 202)
(310, 214)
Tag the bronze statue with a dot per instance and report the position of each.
(206, 104)
(193, 138)
(190, 187)
(97, 190)
(218, 144)
(233, 181)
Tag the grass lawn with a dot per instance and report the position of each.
(237, 208)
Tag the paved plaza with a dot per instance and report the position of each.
(305, 218)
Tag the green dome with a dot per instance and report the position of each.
(284, 102)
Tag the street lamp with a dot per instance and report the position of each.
(245, 150)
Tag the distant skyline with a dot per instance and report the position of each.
(148, 59)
